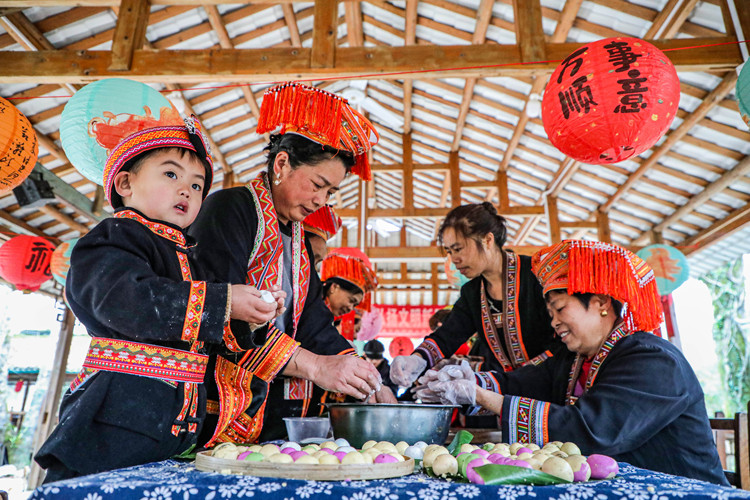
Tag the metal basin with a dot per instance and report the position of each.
(410, 422)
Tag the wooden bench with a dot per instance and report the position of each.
(739, 426)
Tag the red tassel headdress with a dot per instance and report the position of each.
(322, 117)
(352, 265)
(323, 222)
(603, 268)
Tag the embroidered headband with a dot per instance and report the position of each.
(190, 136)
(602, 268)
(323, 222)
(322, 117)
(352, 265)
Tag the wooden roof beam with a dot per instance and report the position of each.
(263, 65)
(716, 95)
(130, 33)
(28, 36)
(721, 229)
(731, 175)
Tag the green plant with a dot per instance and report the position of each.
(730, 331)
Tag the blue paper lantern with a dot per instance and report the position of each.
(743, 93)
(60, 261)
(454, 276)
(670, 266)
(103, 113)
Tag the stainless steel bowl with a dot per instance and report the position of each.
(410, 422)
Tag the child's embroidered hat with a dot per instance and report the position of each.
(322, 117)
(602, 268)
(189, 135)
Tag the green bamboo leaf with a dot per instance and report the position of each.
(461, 437)
(510, 474)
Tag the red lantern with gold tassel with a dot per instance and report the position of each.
(18, 147)
(610, 100)
(25, 260)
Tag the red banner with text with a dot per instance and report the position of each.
(406, 321)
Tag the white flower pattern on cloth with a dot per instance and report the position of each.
(172, 480)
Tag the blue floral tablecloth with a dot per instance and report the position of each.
(171, 480)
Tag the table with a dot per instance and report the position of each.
(172, 480)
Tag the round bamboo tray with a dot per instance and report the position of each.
(205, 462)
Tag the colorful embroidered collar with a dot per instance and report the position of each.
(163, 229)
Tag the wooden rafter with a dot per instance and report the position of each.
(484, 15)
(716, 95)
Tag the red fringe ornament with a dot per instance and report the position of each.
(352, 265)
(583, 266)
(322, 117)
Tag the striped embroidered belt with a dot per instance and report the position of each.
(146, 360)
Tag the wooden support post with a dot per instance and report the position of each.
(502, 189)
(408, 188)
(325, 25)
(130, 33)
(434, 283)
(529, 32)
(404, 267)
(553, 219)
(48, 412)
(602, 220)
(455, 179)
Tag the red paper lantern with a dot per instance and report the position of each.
(24, 261)
(400, 346)
(18, 146)
(610, 100)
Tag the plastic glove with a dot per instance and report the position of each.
(456, 372)
(430, 375)
(406, 369)
(426, 395)
(455, 392)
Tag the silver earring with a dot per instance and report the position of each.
(276, 182)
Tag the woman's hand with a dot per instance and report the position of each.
(348, 374)
(280, 296)
(247, 305)
(384, 395)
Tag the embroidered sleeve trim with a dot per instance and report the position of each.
(539, 359)
(431, 351)
(528, 420)
(194, 312)
(267, 361)
(486, 380)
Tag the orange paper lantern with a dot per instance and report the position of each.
(610, 100)
(18, 146)
(24, 261)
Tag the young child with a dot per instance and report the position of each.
(139, 397)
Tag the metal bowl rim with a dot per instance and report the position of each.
(390, 405)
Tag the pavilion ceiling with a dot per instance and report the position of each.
(447, 83)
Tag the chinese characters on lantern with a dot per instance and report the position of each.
(577, 97)
(39, 259)
(621, 56)
(19, 143)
